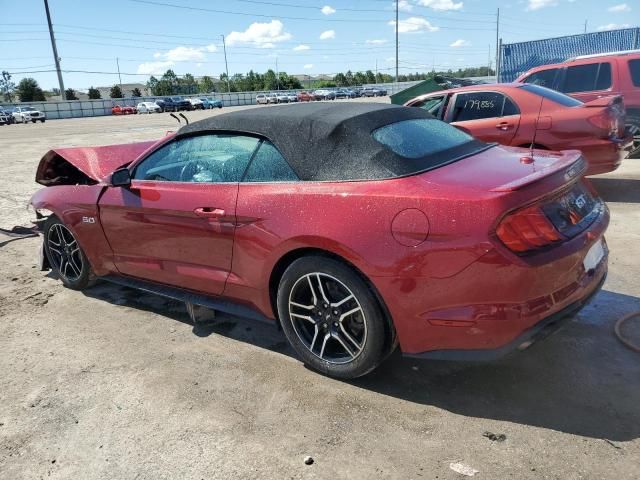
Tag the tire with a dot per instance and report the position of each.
(633, 122)
(219, 106)
(42, 121)
(329, 339)
(71, 264)
(33, 121)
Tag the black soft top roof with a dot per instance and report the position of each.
(326, 141)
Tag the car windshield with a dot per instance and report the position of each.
(28, 109)
(176, 99)
(557, 97)
(426, 137)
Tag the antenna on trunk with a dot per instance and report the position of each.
(185, 118)
(173, 115)
(535, 127)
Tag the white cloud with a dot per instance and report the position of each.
(199, 65)
(154, 68)
(613, 26)
(308, 66)
(460, 43)
(414, 25)
(403, 5)
(260, 34)
(538, 4)
(185, 54)
(441, 5)
(623, 7)
(328, 35)
(327, 10)
(300, 48)
(375, 42)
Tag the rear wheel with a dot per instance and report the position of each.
(331, 317)
(66, 257)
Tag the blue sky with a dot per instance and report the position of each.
(304, 36)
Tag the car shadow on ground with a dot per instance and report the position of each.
(624, 190)
(581, 380)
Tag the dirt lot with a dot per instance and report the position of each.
(115, 384)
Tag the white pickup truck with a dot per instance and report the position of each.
(26, 114)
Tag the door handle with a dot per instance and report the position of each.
(209, 212)
(503, 126)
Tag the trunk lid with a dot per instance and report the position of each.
(506, 169)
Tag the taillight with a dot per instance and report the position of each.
(604, 121)
(527, 229)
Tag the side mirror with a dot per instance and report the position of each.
(120, 178)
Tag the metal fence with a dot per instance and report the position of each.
(95, 108)
(517, 58)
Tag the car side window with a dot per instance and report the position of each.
(213, 158)
(433, 105)
(581, 78)
(634, 70)
(544, 78)
(603, 80)
(268, 165)
(477, 105)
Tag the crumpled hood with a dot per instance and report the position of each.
(86, 165)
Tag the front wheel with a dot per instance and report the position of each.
(42, 121)
(331, 317)
(65, 256)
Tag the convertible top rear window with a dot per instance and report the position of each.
(420, 137)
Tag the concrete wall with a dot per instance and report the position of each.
(95, 108)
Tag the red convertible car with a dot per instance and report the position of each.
(522, 115)
(384, 227)
(123, 110)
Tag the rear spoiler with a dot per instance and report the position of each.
(572, 162)
(605, 101)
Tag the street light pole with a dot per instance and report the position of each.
(397, 26)
(226, 65)
(56, 58)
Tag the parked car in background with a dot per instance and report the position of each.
(382, 91)
(6, 118)
(210, 102)
(28, 114)
(469, 253)
(344, 93)
(262, 99)
(523, 115)
(282, 97)
(292, 96)
(324, 94)
(305, 96)
(372, 92)
(123, 110)
(174, 104)
(196, 103)
(148, 107)
(358, 92)
(593, 76)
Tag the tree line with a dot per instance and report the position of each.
(169, 83)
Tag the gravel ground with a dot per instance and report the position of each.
(112, 383)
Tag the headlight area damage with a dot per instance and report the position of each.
(86, 165)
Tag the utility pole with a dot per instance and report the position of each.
(376, 71)
(277, 74)
(55, 50)
(119, 77)
(226, 65)
(497, 45)
(585, 26)
(397, 27)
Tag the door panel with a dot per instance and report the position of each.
(481, 114)
(175, 233)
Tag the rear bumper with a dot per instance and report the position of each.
(539, 331)
(606, 155)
